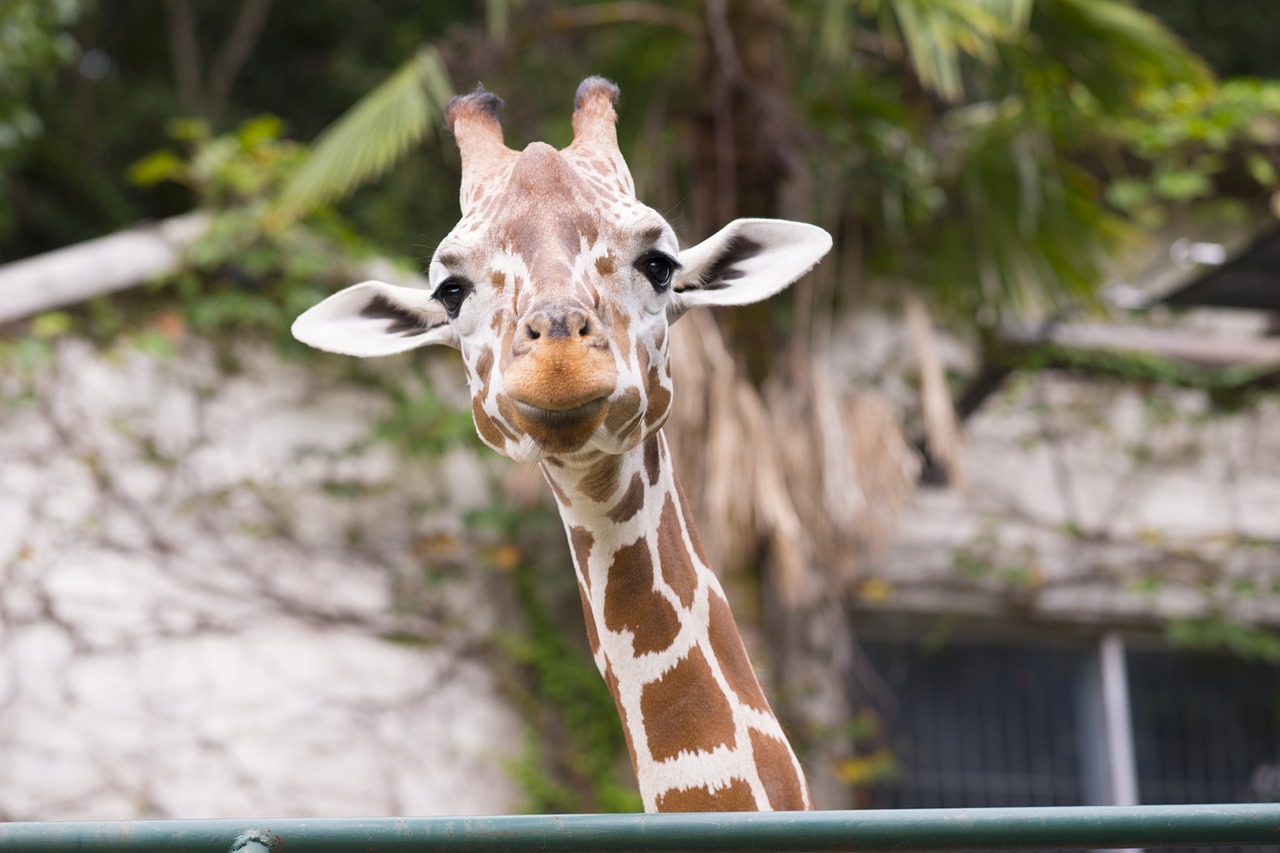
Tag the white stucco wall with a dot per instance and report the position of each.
(1098, 500)
(197, 573)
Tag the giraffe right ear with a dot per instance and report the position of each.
(744, 262)
(373, 318)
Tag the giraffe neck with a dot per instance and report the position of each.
(701, 734)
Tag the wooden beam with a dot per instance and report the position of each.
(1180, 345)
(104, 265)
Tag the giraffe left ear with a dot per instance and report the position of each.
(746, 261)
(372, 319)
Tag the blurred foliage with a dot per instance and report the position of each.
(1199, 143)
(242, 276)
(34, 43)
(1225, 633)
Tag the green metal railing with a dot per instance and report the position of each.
(778, 832)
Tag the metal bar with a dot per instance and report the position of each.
(1115, 699)
(778, 832)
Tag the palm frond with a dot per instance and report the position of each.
(939, 34)
(1112, 48)
(371, 136)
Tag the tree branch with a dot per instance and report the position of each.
(244, 35)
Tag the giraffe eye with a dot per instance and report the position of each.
(658, 268)
(451, 293)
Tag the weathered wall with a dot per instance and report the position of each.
(1098, 500)
(197, 573)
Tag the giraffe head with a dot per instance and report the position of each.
(558, 287)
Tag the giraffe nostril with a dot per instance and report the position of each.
(533, 334)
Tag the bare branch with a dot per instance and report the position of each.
(184, 52)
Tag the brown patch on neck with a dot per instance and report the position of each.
(632, 604)
(652, 458)
(631, 503)
(601, 479)
(734, 797)
(593, 634)
(726, 645)
(687, 514)
(785, 789)
(677, 569)
(612, 681)
(561, 497)
(581, 540)
(685, 710)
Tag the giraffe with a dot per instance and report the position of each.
(558, 287)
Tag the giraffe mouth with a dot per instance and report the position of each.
(559, 418)
(560, 430)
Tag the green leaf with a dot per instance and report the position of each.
(158, 166)
(51, 325)
(1180, 184)
(256, 131)
(1128, 194)
(1262, 170)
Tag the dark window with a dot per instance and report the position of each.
(982, 726)
(1205, 729)
(1003, 725)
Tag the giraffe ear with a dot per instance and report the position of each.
(746, 261)
(372, 318)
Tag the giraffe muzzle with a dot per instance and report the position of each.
(560, 376)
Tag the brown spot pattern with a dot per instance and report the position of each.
(677, 570)
(499, 280)
(581, 539)
(687, 514)
(485, 425)
(734, 797)
(652, 459)
(659, 398)
(605, 265)
(685, 711)
(783, 787)
(632, 604)
(612, 681)
(593, 634)
(484, 366)
(601, 479)
(555, 487)
(623, 412)
(726, 645)
(631, 502)
(622, 334)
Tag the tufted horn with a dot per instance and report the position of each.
(595, 134)
(473, 119)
